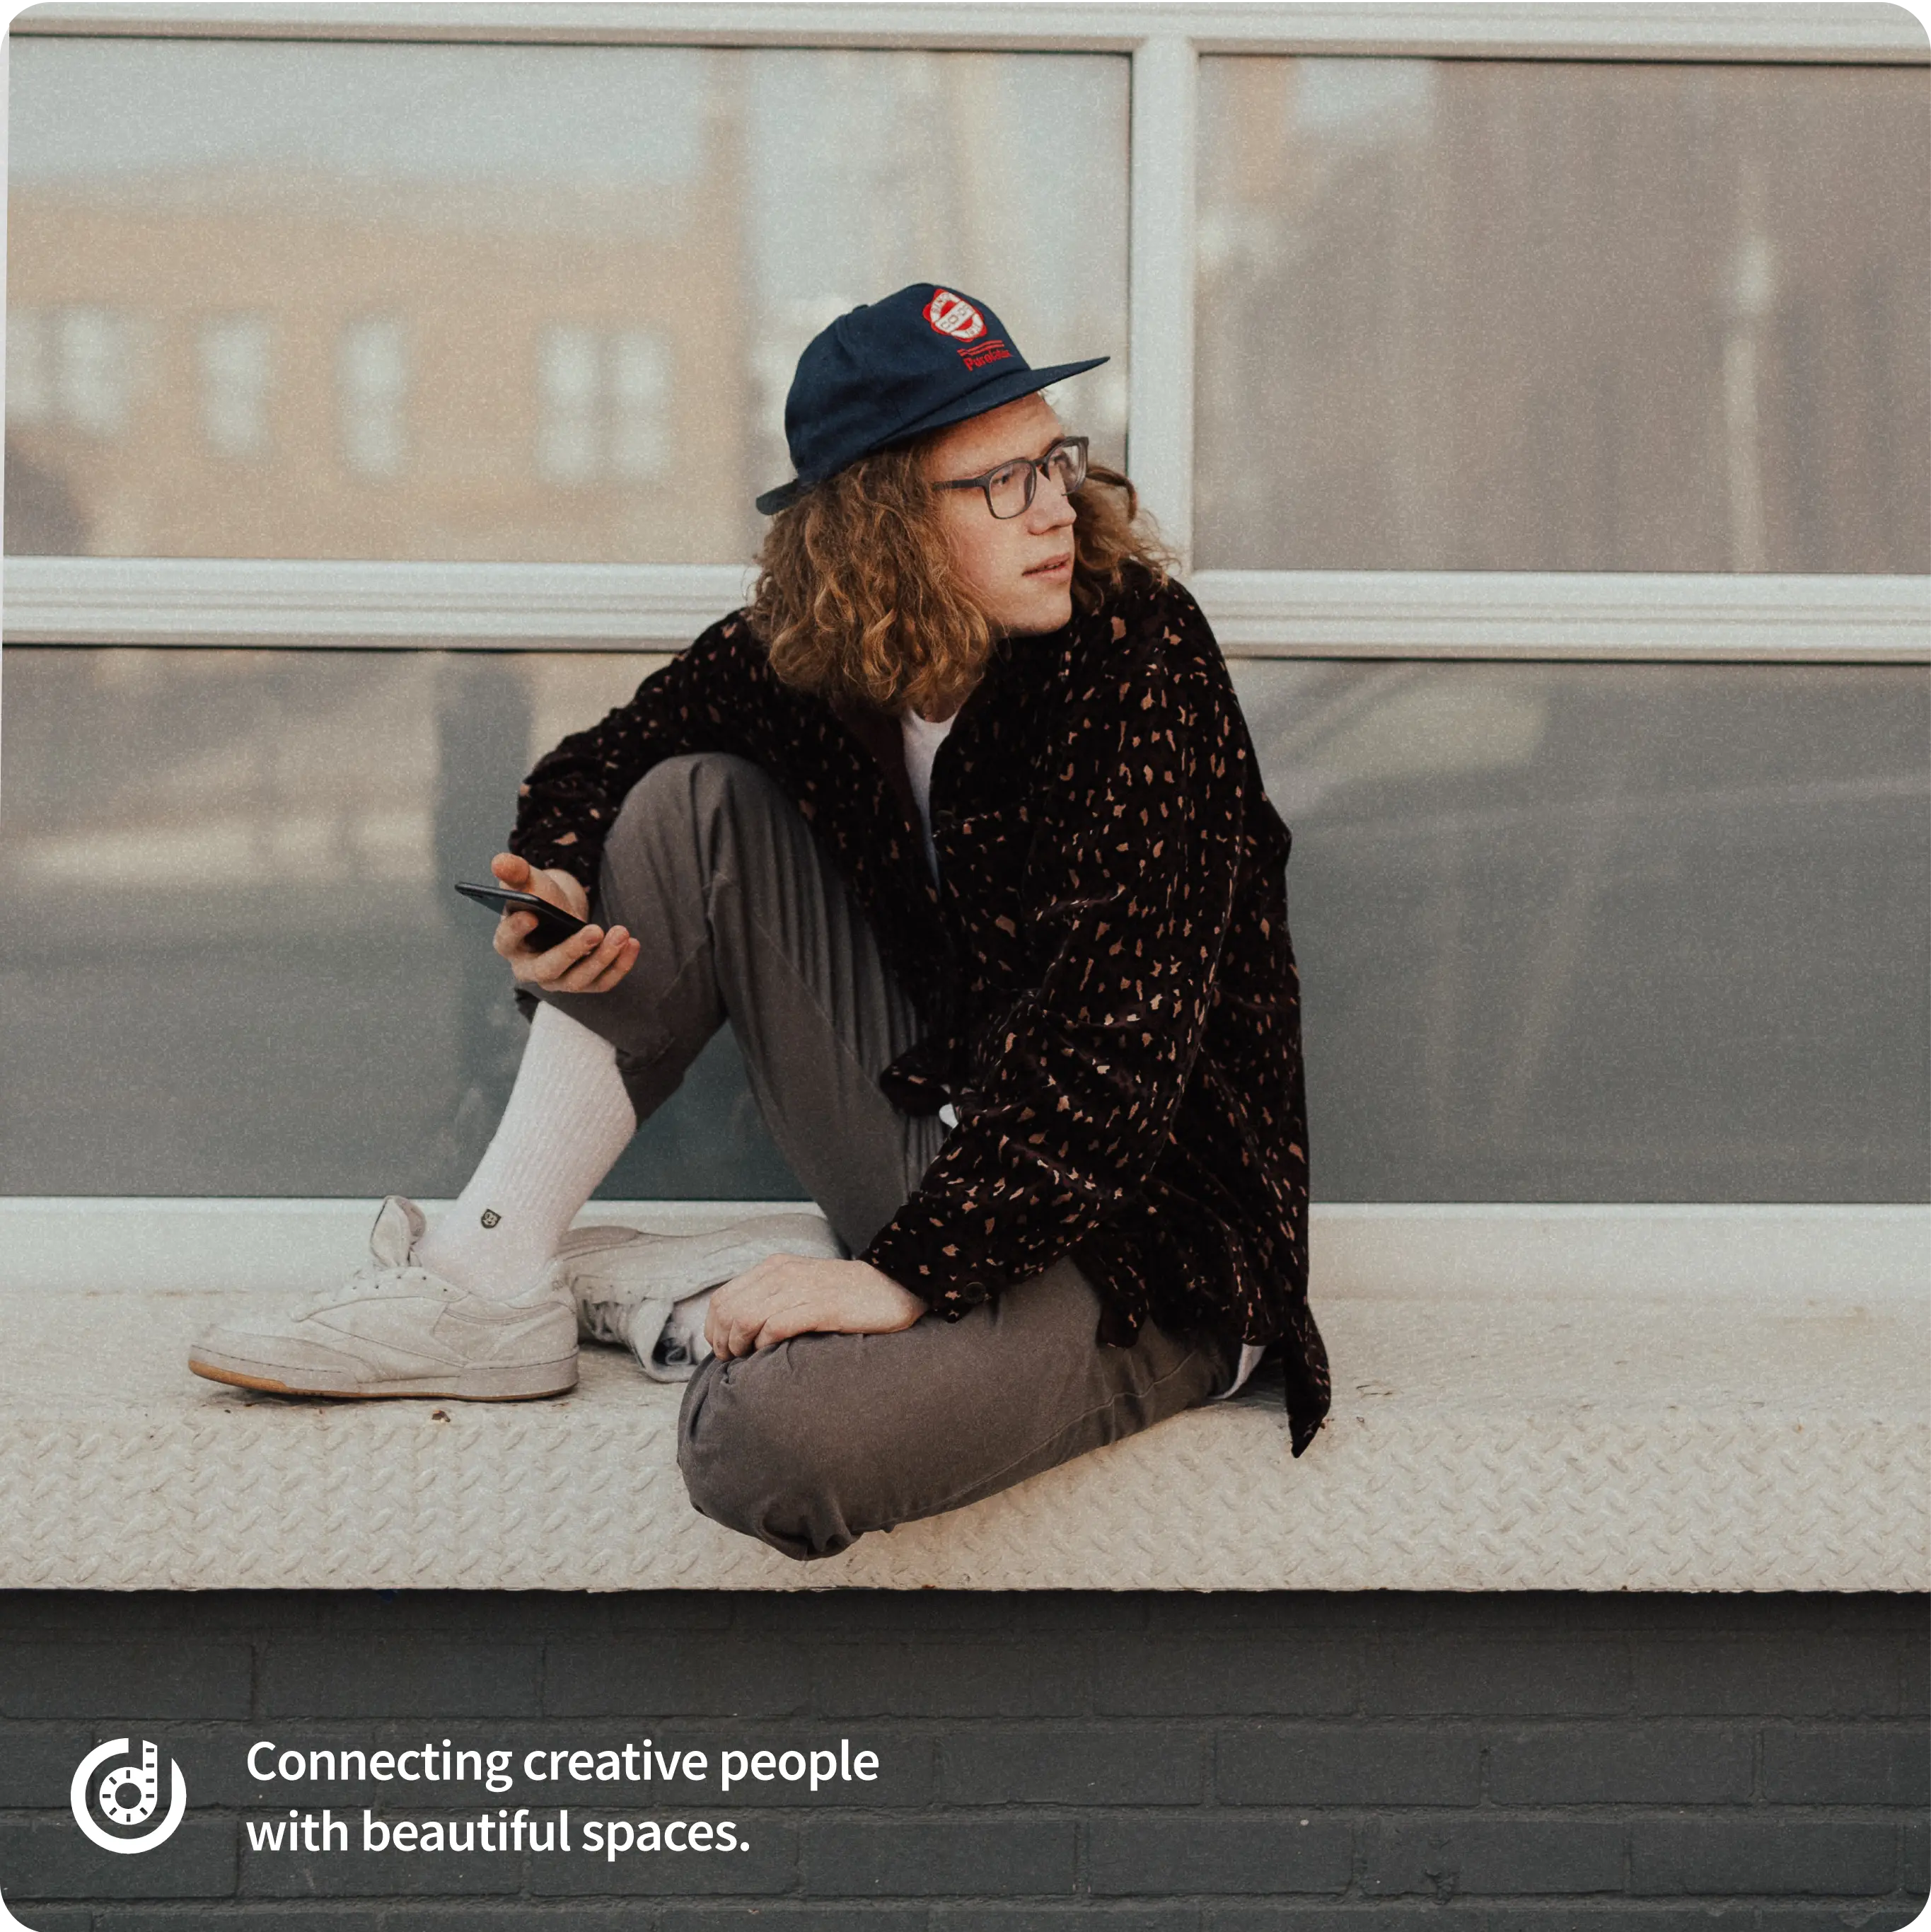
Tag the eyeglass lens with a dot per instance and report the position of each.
(1010, 488)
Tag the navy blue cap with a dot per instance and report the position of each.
(892, 369)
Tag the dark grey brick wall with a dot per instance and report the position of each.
(1134, 1763)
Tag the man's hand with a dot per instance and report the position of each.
(785, 1295)
(593, 961)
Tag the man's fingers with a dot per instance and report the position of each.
(625, 959)
(550, 964)
(560, 889)
(789, 1306)
(592, 966)
(735, 1337)
(737, 1311)
(779, 1296)
(546, 969)
(512, 929)
(781, 1324)
(783, 1296)
(718, 1322)
(591, 960)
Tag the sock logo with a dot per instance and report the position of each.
(490, 1217)
(127, 1793)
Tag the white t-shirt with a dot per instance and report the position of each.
(923, 737)
(1250, 1360)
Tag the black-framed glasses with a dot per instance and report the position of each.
(1009, 489)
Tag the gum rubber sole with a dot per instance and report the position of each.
(543, 1380)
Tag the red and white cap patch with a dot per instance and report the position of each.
(954, 315)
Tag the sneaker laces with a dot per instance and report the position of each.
(372, 1278)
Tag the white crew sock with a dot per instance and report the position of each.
(568, 1120)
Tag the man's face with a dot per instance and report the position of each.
(1018, 570)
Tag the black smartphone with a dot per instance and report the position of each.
(553, 924)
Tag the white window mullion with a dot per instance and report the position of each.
(310, 604)
(1160, 283)
(1616, 615)
(1754, 30)
(1313, 613)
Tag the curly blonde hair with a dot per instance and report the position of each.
(856, 597)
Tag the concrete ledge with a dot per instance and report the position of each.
(1516, 1438)
(1425, 1251)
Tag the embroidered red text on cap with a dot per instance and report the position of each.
(953, 315)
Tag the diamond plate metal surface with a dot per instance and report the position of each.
(1501, 1443)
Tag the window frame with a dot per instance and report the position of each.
(311, 604)
(159, 601)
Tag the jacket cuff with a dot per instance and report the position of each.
(931, 1267)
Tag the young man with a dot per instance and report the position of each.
(958, 824)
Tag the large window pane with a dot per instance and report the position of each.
(1469, 315)
(232, 962)
(278, 299)
(1567, 932)
(1621, 932)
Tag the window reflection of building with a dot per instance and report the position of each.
(382, 400)
(568, 376)
(384, 392)
(1513, 315)
(520, 303)
(235, 379)
(1571, 932)
(1576, 931)
(640, 384)
(92, 376)
(30, 389)
(1536, 904)
(251, 845)
(372, 386)
(65, 382)
(72, 366)
(42, 517)
(604, 404)
(1003, 174)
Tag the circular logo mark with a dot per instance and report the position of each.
(953, 315)
(128, 1793)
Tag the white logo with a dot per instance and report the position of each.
(953, 315)
(128, 1793)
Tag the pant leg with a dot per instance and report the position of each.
(808, 1444)
(742, 916)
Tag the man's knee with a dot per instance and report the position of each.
(692, 793)
(759, 1455)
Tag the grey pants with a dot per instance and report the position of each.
(808, 1444)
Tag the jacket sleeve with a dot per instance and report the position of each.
(1128, 890)
(706, 699)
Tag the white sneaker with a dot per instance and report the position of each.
(394, 1329)
(646, 1291)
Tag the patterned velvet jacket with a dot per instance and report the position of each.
(1103, 970)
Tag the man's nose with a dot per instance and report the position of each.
(1052, 507)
